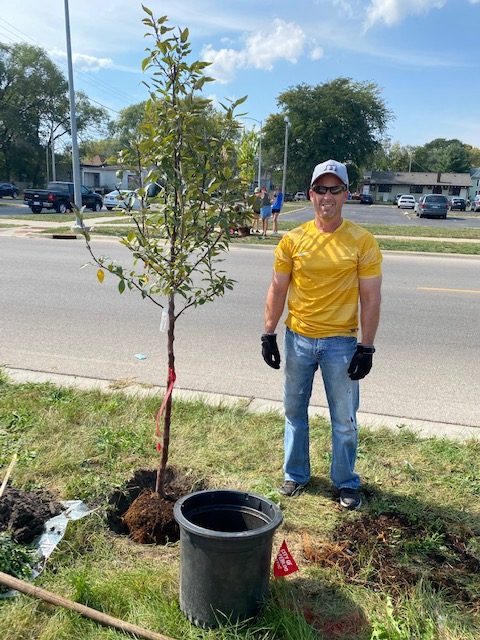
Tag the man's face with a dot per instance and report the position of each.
(328, 206)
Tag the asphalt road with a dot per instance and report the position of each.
(56, 317)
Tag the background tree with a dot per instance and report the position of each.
(442, 155)
(341, 119)
(474, 155)
(393, 157)
(28, 79)
(34, 110)
(247, 153)
(176, 244)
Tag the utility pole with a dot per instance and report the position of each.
(285, 151)
(73, 123)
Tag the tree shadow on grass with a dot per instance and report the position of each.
(395, 542)
(323, 607)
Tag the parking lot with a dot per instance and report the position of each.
(389, 214)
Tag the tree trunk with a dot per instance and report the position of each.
(162, 468)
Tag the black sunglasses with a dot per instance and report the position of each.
(321, 190)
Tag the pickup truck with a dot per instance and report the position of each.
(58, 196)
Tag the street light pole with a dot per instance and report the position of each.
(284, 177)
(73, 123)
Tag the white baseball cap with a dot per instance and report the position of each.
(331, 166)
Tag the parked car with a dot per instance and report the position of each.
(399, 195)
(366, 198)
(406, 202)
(432, 205)
(475, 206)
(300, 195)
(8, 189)
(59, 196)
(459, 204)
(288, 196)
(121, 199)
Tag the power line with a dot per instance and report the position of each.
(86, 78)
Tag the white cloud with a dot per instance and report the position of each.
(224, 63)
(392, 12)
(285, 41)
(83, 62)
(316, 53)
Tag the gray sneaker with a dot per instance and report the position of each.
(290, 488)
(350, 498)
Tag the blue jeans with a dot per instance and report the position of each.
(303, 356)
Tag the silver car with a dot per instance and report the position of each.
(432, 205)
(476, 203)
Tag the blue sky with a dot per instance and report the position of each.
(423, 54)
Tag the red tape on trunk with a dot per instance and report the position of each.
(171, 382)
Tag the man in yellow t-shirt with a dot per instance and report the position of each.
(328, 267)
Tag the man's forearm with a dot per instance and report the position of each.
(273, 309)
(369, 320)
(370, 300)
(275, 302)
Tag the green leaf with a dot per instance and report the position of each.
(121, 286)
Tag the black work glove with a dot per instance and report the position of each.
(361, 362)
(270, 351)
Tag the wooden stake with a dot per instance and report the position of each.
(58, 601)
(7, 474)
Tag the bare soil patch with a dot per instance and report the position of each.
(23, 513)
(390, 552)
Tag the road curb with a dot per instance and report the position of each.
(422, 428)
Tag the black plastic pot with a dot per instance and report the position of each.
(225, 554)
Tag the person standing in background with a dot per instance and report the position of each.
(265, 211)
(276, 208)
(257, 204)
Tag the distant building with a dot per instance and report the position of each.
(475, 188)
(102, 177)
(383, 186)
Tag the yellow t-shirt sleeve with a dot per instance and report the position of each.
(370, 258)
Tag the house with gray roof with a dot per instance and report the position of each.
(385, 185)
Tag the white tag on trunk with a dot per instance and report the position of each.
(163, 321)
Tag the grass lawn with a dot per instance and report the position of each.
(406, 566)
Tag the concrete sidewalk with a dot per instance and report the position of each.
(422, 428)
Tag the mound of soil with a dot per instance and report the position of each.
(137, 511)
(23, 513)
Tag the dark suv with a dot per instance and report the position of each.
(8, 189)
(460, 204)
(432, 206)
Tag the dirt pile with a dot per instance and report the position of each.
(23, 513)
(137, 511)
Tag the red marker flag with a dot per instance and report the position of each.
(284, 564)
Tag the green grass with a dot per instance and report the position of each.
(423, 246)
(422, 232)
(406, 566)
